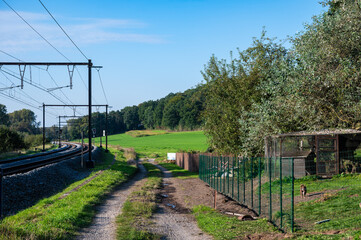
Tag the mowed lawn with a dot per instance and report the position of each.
(160, 144)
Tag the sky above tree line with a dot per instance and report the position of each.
(147, 48)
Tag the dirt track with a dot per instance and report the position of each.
(103, 226)
(171, 221)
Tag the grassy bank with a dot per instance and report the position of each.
(134, 221)
(60, 218)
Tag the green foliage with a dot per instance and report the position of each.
(268, 89)
(24, 121)
(10, 140)
(328, 62)
(33, 140)
(233, 94)
(4, 118)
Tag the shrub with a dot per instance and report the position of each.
(10, 140)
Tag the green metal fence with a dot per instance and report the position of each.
(265, 185)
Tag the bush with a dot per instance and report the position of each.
(33, 140)
(10, 140)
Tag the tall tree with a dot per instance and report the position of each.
(233, 93)
(24, 121)
(4, 118)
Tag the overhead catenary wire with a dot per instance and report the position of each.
(23, 102)
(101, 83)
(36, 31)
(9, 72)
(63, 29)
(47, 70)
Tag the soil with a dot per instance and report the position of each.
(171, 220)
(184, 194)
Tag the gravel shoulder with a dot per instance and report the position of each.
(103, 226)
(171, 221)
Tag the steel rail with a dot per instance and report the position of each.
(28, 164)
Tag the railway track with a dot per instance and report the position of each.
(27, 163)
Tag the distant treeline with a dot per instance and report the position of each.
(176, 111)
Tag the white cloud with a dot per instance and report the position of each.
(15, 35)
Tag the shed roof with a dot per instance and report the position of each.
(321, 132)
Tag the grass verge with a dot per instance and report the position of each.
(55, 218)
(134, 221)
(224, 227)
(177, 171)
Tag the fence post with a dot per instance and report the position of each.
(232, 177)
(206, 168)
(212, 173)
(238, 159)
(281, 211)
(209, 171)
(1, 193)
(200, 167)
(244, 179)
(252, 182)
(259, 186)
(228, 176)
(292, 195)
(220, 174)
(270, 188)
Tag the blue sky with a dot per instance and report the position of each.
(147, 48)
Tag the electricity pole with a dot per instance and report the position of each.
(22, 66)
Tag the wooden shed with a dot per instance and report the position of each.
(323, 153)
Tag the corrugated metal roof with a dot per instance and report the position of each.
(321, 132)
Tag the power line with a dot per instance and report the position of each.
(10, 55)
(24, 93)
(51, 77)
(62, 29)
(23, 102)
(36, 31)
(101, 82)
(34, 85)
(86, 87)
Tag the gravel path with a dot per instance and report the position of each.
(103, 226)
(174, 225)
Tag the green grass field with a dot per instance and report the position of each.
(152, 146)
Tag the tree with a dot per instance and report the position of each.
(171, 113)
(10, 140)
(233, 94)
(24, 121)
(4, 118)
(131, 117)
(328, 56)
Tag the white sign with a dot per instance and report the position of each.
(171, 156)
(103, 133)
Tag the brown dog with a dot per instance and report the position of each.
(303, 190)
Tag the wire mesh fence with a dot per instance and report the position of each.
(262, 184)
(275, 189)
